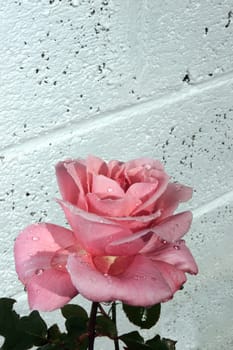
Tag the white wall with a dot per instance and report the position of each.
(123, 79)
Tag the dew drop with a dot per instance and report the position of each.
(147, 166)
(39, 272)
(105, 274)
(176, 247)
(164, 241)
(144, 316)
(60, 267)
(137, 277)
(35, 238)
(109, 189)
(59, 260)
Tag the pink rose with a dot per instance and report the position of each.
(125, 244)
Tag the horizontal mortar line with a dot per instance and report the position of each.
(214, 204)
(78, 128)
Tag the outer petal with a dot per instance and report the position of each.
(50, 290)
(35, 247)
(172, 197)
(77, 172)
(92, 231)
(129, 245)
(66, 183)
(141, 284)
(174, 277)
(171, 229)
(96, 165)
(147, 163)
(178, 255)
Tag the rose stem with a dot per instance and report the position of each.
(116, 342)
(91, 326)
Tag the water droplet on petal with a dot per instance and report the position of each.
(109, 189)
(39, 272)
(59, 260)
(147, 166)
(105, 274)
(164, 241)
(35, 238)
(137, 277)
(176, 247)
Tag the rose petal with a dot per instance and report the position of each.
(66, 183)
(50, 290)
(136, 223)
(96, 165)
(146, 163)
(112, 207)
(105, 187)
(162, 179)
(175, 194)
(115, 169)
(143, 191)
(126, 287)
(177, 254)
(171, 229)
(35, 246)
(130, 245)
(92, 231)
(77, 170)
(174, 277)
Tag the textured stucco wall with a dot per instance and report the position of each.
(122, 79)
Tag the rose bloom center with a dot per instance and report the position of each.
(112, 265)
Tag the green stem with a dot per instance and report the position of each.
(91, 326)
(116, 342)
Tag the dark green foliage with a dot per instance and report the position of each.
(105, 326)
(143, 317)
(134, 341)
(20, 332)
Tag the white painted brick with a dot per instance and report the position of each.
(200, 317)
(80, 79)
(102, 55)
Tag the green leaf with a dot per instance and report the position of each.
(105, 326)
(134, 341)
(20, 333)
(157, 343)
(35, 327)
(144, 317)
(76, 326)
(54, 334)
(171, 344)
(8, 317)
(72, 310)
